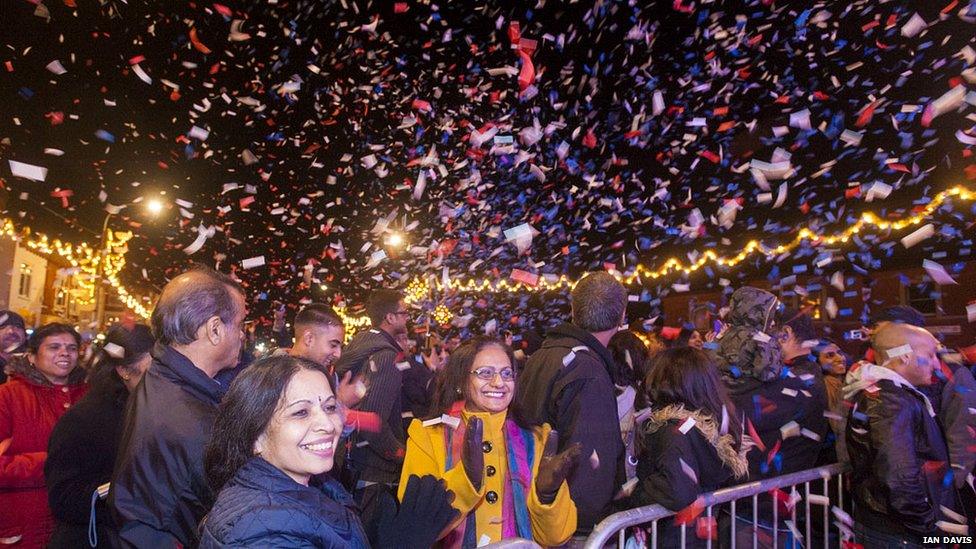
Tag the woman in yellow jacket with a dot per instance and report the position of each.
(507, 478)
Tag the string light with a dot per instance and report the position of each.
(443, 315)
(86, 259)
(418, 288)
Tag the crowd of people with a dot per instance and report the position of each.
(164, 438)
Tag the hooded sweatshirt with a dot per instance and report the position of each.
(377, 455)
(746, 349)
(30, 405)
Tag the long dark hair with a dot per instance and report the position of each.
(123, 347)
(452, 381)
(631, 358)
(245, 412)
(689, 377)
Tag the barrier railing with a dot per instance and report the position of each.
(617, 524)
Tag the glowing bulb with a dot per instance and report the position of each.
(395, 240)
(154, 206)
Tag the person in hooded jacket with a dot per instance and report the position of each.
(375, 455)
(690, 444)
(81, 452)
(782, 411)
(274, 441)
(43, 385)
(898, 454)
(568, 384)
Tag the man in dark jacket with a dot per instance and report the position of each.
(567, 384)
(782, 410)
(376, 451)
(897, 450)
(159, 489)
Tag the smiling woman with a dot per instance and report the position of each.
(278, 426)
(275, 435)
(42, 386)
(507, 478)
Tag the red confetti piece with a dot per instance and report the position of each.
(197, 44)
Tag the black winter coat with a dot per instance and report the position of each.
(674, 468)
(263, 507)
(899, 462)
(159, 488)
(567, 384)
(80, 457)
(381, 458)
(787, 415)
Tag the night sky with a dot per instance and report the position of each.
(620, 132)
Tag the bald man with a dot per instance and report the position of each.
(897, 451)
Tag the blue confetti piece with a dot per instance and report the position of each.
(105, 136)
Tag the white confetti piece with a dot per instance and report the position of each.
(27, 171)
(914, 26)
(791, 429)
(919, 235)
(56, 67)
(594, 460)
(114, 350)
(937, 272)
(569, 358)
(253, 262)
(898, 351)
(688, 471)
(687, 425)
(196, 132)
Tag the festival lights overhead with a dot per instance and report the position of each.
(86, 259)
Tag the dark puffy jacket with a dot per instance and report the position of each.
(80, 457)
(159, 489)
(567, 384)
(263, 507)
(898, 455)
(675, 468)
(377, 354)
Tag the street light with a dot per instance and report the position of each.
(154, 206)
(395, 240)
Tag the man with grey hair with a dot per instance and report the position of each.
(159, 489)
(567, 384)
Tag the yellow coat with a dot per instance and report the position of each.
(552, 524)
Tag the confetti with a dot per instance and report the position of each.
(27, 171)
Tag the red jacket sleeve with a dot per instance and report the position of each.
(17, 470)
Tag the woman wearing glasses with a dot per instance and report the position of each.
(507, 478)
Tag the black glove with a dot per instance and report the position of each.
(472, 454)
(424, 514)
(554, 468)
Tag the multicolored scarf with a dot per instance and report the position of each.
(520, 451)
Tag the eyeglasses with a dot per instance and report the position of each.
(488, 374)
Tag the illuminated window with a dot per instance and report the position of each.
(23, 290)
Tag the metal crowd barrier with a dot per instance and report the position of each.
(618, 523)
